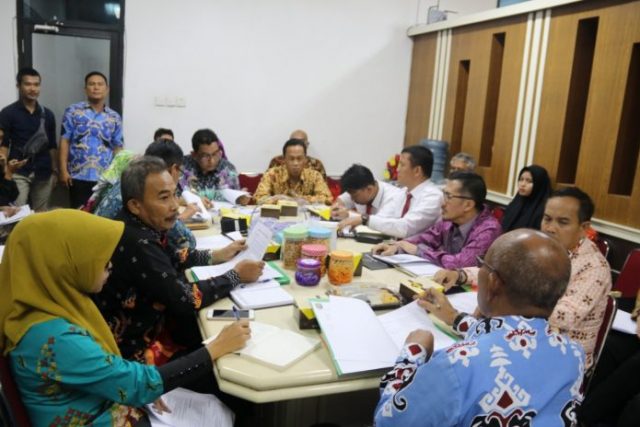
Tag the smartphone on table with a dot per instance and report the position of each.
(222, 314)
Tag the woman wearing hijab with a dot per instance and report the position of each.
(527, 208)
(63, 356)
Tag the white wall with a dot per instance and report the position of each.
(8, 52)
(255, 70)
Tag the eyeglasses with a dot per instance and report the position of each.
(483, 263)
(448, 196)
(209, 156)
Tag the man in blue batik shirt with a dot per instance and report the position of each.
(91, 134)
(511, 369)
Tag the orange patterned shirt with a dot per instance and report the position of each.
(311, 187)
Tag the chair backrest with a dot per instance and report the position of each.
(628, 281)
(11, 396)
(250, 181)
(605, 327)
(603, 245)
(498, 213)
(334, 186)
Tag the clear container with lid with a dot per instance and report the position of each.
(320, 236)
(307, 272)
(294, 238)
(317, 252)
(341, 267)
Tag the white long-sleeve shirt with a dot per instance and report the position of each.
(384, 204)
(424, 211)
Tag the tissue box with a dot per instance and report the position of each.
(288, 208)
(270, 211)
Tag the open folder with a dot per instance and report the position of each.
(360, 341)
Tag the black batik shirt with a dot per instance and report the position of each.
(147, 286)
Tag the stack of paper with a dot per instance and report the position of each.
(22, 213)
(232, 196)
(360, 342)
(202, 213)
(624, 323)
(410, 264)
(257, 243)
(276, 347)
(261, 295)
(191, 409)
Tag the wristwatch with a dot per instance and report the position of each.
(365, 219)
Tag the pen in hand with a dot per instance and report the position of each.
(236, 313)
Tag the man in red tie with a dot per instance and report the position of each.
(364, 196)
(417, 207)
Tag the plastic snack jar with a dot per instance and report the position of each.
(341, 267)
(317, 252)
(294, 238)
(308, 272)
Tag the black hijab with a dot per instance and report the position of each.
(526, 212)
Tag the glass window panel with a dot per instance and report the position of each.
(107, 12)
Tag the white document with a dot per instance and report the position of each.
(355, 336)
(623, 322)
(257, 243)
(464, 301)
(22, 213)
(209, 271)
(261, 295)
(191, 409)
(1, 252)
(401, 322)
(276, 347)
(398, 259)
(234, 235)
(232, 196)
(190, 197)
(360, 341)
(420, 269)
(217, 241)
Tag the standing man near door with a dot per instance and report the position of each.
(18, 123)
(91, 135)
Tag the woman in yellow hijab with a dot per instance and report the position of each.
(63, 356)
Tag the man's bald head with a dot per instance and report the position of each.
(534, 268)
(301, 135)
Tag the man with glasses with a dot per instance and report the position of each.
(579, 313)
(466, 230)
(293, 179)
(207, 170)
(511, 368)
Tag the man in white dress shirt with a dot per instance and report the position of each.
(365, 196)
(418, 208)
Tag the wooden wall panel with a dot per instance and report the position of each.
(473, 44)
(420, 88)
(618, 29)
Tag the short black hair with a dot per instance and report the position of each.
(162, 131)
(356, 177)
(167, 150)
(203, 137)
(585, 212)
(420, 156)
(293, 143)
(27, 71)
(95, 73)
(472, 185)
(135, 176)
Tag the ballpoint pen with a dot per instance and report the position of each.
(236, 314)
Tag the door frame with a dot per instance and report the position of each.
(116, 55)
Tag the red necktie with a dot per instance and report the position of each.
(369, 208)
(407, 202)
